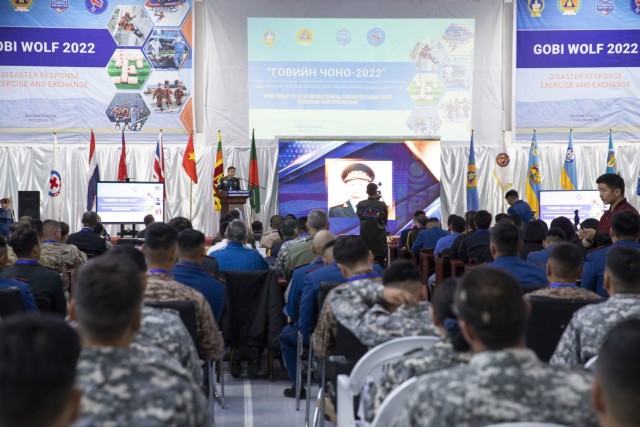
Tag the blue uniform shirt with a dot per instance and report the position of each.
(196, 277)
(525, 272)
(236, 257)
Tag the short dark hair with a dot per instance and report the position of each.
(18, 225)
(129, 252)
(37, 225)
(237, 231)
(612, 180)
(180, 223)
(38, 357)
(516, 219)
(618, 371)
(231, 168)
(301, 224)
(275, 221)
(505, 236)
(159, 241)
(234, 213)
(482, 219)
(421, 219)
(64, 229)
(190, 243)
(350, 250)
(457, 223)
(535, 231)
(401, 271)
(256, 226)
(490, 302)
(148, 219)
(89, 219)
(590, 223)
(372, 189)
(318, 220)
(418, 213)
(23, 241)
(288, 228)
(623, 265)
(511, 193)
(442, 306)
(290, 216)
(433, 219)
(499, 217)
(107, 293)
(626, 224)
(566, 225)
(566, 261)
(556, 234)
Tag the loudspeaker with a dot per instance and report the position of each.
(29, 204)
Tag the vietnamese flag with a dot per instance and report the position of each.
(189, 160)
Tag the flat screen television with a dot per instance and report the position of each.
(555, 203)
(129, 202)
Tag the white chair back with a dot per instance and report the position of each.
(390, 407)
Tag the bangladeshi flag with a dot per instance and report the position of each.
(254, 181)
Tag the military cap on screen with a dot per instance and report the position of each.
(358, 171)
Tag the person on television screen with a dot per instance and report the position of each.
(356, 176)
(229, 182)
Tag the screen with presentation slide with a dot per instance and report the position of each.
(106, 66)
(564, 203)
(333, 175)
(129, 202)
(578, 66)
(387, 77)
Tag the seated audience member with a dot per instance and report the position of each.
(564, 269)
(189, 271)
(589, 237)
(355, 262)
(450, 351)
(148, 220)
(429, 238)
(505, 246)
(28, 303)
(85, 239)
(476, 245)
(11, 255)
(611, 188)
(617, 381)
(402, 241)
(100, 231)
(58, 256)
(289, 334)
(625, 230)
(517, 221)
(161, 328)
(64, 231)
(125, 384)
(160, 249)
(469, 228)
(256, 230)
(180, 223)
(43, 282)
(208, 263)
(420, 225)
(269, 239)
(517, 206)
(38, 358)
(288, 231)
(567, 226)
(499, 217)
(456, 227)
(236, 256)
(533, 237)
(583, 336)
(503, 381)
(285, 249)
(301, 253)
(554, 237)
(222, 244)
(372, 311)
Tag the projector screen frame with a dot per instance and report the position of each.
(140, 215)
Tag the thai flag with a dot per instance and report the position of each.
(158, 162)
(94, 173)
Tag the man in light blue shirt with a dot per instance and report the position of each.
(456, 227)
(235, 256)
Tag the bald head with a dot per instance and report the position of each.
(320, 240)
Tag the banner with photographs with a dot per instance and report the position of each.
(107, 65)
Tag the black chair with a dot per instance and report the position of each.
(130, 241)
(548, 320)
(10, 302)
(253, 312)
(527, 289)
(44, 303)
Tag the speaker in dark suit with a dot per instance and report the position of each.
(29, 204)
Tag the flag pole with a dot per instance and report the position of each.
(190, 198)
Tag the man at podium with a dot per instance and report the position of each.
(229, 182)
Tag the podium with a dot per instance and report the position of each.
(232, 199)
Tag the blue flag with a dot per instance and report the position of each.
(534, 176)
(612, 165)
(569, 178)
(472, 180)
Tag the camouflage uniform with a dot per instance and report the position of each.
(283, 255)
(163, 328)
(500, 386)
(357, 306)
(162, 287)
(415, 363)
(59, 256)
(135, 386)
(589, 325)
(564, 292)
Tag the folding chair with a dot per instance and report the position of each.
(390, 407)
(371, 366)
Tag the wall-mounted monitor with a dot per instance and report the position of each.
(129, 202)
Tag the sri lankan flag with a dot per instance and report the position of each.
(218, 173)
